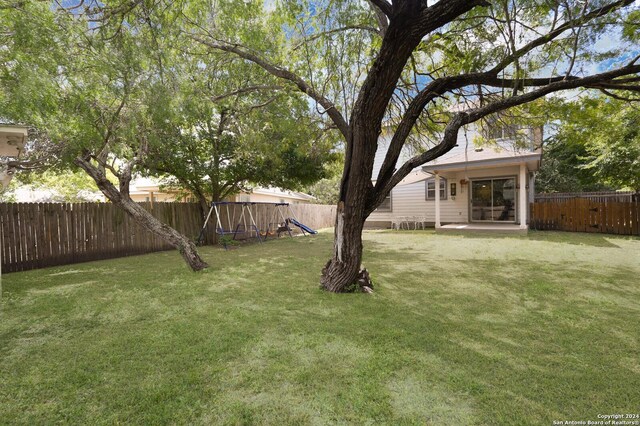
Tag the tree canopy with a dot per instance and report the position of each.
(227, 135)
(96, 88)
(596, 147)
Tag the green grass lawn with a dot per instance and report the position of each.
(461, 330)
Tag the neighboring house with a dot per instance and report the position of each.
(150, 190)
(274, 195)
(481, 186)
(30, 194)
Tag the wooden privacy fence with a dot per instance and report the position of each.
(586, 215)
(315, 216)
(601, 196)
(37, 235)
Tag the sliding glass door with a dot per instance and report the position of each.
(493, 200)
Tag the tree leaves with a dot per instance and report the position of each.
(597, 146)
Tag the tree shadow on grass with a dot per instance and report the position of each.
(514, 334)
(580, 238)
(573, 238)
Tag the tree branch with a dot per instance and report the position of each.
(440, 86)
(246, 90)
(384, 186)
(336, 30)
(557, 32)
(284, 74)
(444, 11)
(618, 97)
(384, 6)
(383, 20)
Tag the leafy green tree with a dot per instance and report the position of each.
(613, 151)
(95, 86)
(327, 190)
(225, 143)
(596, 147)
(427, 68)
(562, 169)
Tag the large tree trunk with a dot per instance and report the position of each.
(344, 273)
(121, 198)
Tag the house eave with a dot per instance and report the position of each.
(292, 195)
(532, 160)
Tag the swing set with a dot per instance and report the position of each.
(240, 220)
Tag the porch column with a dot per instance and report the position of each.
(523, 196)
(437, 200)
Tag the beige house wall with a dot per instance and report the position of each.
(157, 197)
(267, 198)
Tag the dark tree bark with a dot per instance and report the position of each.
(122, 199)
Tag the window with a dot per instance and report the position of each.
(500, 126)
(385, 206)
(431, 189)
(500, 130)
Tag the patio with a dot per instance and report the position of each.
(508, 228)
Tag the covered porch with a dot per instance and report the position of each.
(494, 187)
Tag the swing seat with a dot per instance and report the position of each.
(239, 230)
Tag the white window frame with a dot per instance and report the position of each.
(443, 187)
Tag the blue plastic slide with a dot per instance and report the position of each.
(302, 226)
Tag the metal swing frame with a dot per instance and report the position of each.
(274, 220)
(234, 227)
(246, 206)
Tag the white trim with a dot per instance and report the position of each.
(426, 189)
(438, 224)
(523, 196)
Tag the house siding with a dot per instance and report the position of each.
(465, 141)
